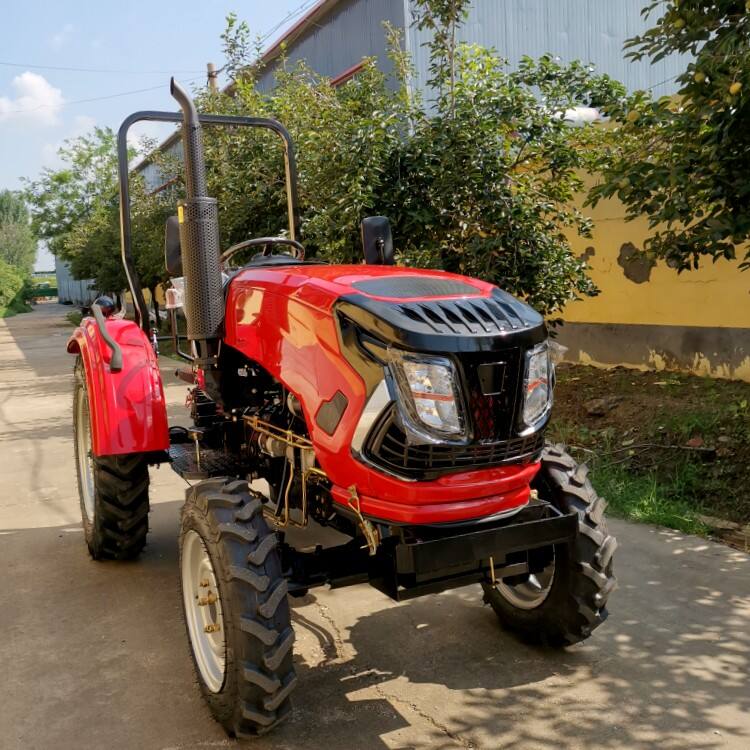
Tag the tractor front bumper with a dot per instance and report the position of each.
(430, 559)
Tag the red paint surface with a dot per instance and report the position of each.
(282, 319)
(128, 410)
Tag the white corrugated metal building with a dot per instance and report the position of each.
(71, 291)
(334, 35)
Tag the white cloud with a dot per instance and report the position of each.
(37, 100)
(61, 37)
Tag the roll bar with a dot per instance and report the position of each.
(290, 166)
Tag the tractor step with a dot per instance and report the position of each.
(185, 461)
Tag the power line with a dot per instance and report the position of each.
(93, 99)
(95, 70)
(288, 17)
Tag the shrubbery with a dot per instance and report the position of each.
(14, 289)
(683, 161)
(17, 253)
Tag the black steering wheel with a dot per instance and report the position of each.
(268, 243)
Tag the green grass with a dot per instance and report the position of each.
(647, 498)
(74, 317)
(39, 280)
(14, 308)
(664, 494)
(674, 447)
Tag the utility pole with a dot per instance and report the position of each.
(212, 76)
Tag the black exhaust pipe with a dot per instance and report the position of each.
(199, 239)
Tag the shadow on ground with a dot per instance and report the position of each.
(95, 655)
(92, 640)
(32, 353)
(670, 668)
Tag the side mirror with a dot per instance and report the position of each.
(172, 247)
(377, 241)
(106, 305)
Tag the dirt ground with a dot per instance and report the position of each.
(691, 435)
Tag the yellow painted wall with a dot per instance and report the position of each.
(160, 296)
(716, 295)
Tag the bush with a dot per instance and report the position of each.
(14, 290)
(682, 162)
(479, 182)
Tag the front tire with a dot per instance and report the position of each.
(113, 490)
(236, 610)
(564, 603)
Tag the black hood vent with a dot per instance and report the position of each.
(463, 324)
(475, 315)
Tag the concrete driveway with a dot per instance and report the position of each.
(94, 655)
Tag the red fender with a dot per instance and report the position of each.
(128, 410)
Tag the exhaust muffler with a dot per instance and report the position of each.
(199, 239)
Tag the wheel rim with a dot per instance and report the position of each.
(532, 592)
(85, 454)
(203, 611)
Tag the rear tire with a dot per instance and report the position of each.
(247, 675)
(582, 575)
(113, 490)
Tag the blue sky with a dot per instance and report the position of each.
(40, 107)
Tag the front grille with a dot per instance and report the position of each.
(493, 413)
(491, 383)
(388, 448)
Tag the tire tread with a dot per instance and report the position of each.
(578, 606)
(246, 550)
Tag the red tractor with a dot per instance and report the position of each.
(403, 408)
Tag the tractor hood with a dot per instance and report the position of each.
(421, 310)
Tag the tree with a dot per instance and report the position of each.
(17, 241)
(685, 161)
(485, 182)
(14, 289)
(13, 209)
(76, 209)
(18, 246)
(442, 18)
(62, 199)
(479, 182)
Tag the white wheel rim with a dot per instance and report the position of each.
(85, 454)
(203, 612)
(532, 592)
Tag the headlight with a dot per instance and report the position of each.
(430, 397)
(537, 385)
